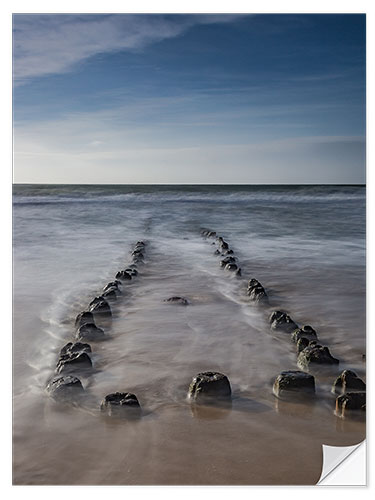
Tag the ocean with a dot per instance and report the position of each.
(305, 244)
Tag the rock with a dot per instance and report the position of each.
(228, 252)
(302, 343)
(209, 385)
(101, 307)
(350, 401)
(348, 381)
(96, 300)
(282, 321)
(90, 332)
(217, 252)
(293, 382)
(238, 272)
(211, 234)
(231, 267)
(65, 387)
(137, 260)
(84, 317)
(121, 404)
(140, 243)
(132, 271)
(227, 260)
(306, 332)
(177, 300)
(74, 361)
(204, 232)
(112, 284)
(71, 348)
(256, 292)
(316, 354)
(110, 293)
(123, 275)
(138, 254)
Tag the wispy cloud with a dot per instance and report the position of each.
(50, 44)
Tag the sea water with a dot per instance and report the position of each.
(305, 244)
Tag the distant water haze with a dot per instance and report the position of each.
(305, 244)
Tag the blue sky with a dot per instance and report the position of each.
(189, 98)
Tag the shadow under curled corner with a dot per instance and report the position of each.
(344, 465)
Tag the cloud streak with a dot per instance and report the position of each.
(52, 44)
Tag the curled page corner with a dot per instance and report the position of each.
(344, 465)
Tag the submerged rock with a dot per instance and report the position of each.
(282, 321)
(209, 385)
(100, 307)
(121, 404)
(84, 317)
(256, 292)
(306, 332)
(231, 267)
(315, 354)
(71, 348)
(177, 300)
(132, 271)
(73, 361)
(123, 275)
(350, 401)
(348, 381)
(227, 260)
(90, 332)
(293, 382)
(65, 387)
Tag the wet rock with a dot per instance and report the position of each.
(140, 244)
(123, 276)
(110, 293)
(96, 300)
(238, 272)
(65, 387)
(348, 381)
(227, 260)
(282, 321)
(306, 332)
(350, 401)
(217, 252)
(132, 271)
(231, 267)
(293, 382)
(138, 254)
(71, 362)
(211, 234)
(209, 385)
(72, 348)
(121, 404)
(90, 332)
(84, 317)
(101, 307)
(228, 252)
(112, 284)
(302, 343)
(256, 292)
(177, 300)
(315, 354)
(204, 231)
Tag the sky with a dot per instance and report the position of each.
(189, 99)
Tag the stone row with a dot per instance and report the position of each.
(74, 357)
(351, 389)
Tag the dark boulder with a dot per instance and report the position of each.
(350, 401)
(71, 348)
(231, 267)
(101, 307)
(68, 363)
(348, 381)
(121, 404)
(293, 382)
(112, 284)
(96, 300)
(177, 300)
(90, 332)
(110, 293)
(123, 276)
(84, 317)
(302, 343)
(227, 260)
(256, 292)
(306, 332)
(132, 271)
(211, 234)
(282, 321)
(315, 354)
(209, 385)
(65, 387)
